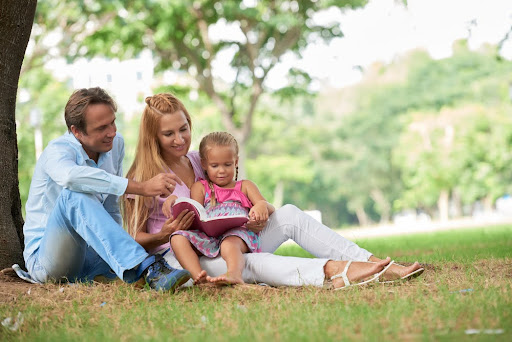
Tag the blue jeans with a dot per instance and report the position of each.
(81, 240)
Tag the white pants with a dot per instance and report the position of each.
(289, 222)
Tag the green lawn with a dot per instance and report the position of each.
(463, 246)
(467, 285)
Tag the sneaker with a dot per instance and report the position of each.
(161, 276)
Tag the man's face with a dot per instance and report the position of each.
(100, 127)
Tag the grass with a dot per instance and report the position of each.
(463, 246)
(431, 307)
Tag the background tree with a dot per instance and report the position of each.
(344, 152)
(16, 19)
(181, 34)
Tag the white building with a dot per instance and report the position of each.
(128, 81)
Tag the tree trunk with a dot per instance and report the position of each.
(442, 205)
(278, 194)
(362, 217)
(242, 158)
(16, 19)
(382, 204)
(488, 205)
(456, 204)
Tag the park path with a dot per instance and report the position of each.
(422, 227)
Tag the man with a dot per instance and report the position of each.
(73, 225)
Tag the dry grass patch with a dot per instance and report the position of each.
(441, 304)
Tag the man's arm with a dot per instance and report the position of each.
(162, 185)
(112, 202)
(61, 166)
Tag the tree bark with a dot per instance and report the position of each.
(16, 18)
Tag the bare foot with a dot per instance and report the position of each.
(200, 277)
(401, 272)
(358, 270)
(226, 279)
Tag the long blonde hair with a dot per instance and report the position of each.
(148, 160)
(207, 143)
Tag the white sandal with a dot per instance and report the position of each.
(409, 276)
(343, 275)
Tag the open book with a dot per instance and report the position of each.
(213, 226)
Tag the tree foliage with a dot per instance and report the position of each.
(412, 132)
(181, 35)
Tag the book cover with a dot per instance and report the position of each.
(213, 226)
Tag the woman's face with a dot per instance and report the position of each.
(174, 135)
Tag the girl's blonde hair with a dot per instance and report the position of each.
(207, 143)
(148, 160)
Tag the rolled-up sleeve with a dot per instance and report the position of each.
(63, 166)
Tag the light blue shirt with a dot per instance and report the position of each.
(65, 164)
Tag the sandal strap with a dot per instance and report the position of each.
(343, 274)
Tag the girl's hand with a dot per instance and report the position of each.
(258, 217)
(182, 222)
(259, 212)
(167, 206)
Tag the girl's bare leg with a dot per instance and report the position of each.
(358, 270)
(188, 258)
(231, 250)
(396, 271)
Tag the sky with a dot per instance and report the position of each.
(384, 29)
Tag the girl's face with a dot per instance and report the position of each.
(221, 165)
(174, 135)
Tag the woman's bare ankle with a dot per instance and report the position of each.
(332, 267)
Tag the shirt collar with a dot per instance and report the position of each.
(74, 140)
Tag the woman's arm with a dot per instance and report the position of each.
(150, 241)
(181, 222)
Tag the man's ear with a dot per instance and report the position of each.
(76, 132)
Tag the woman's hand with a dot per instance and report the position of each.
(167, 206)
(259, 212)
(255, 226)
(182, 222)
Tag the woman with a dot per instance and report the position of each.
(163, 146)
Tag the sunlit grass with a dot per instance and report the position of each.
(467, 285)
(462, 245)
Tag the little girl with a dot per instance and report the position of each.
(222, 195)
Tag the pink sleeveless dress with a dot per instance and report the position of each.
(229, 202)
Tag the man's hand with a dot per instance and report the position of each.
(162, 185)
